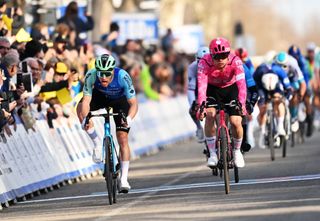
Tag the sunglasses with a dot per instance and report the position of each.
(60, 74)
(104, 74)
(220, 56)
(284, 66)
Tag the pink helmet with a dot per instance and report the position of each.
(219, 45)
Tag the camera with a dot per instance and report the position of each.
(25, 77)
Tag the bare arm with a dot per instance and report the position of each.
(84, 107)
(133, 107)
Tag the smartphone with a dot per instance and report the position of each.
(24, 67)
(9, 12)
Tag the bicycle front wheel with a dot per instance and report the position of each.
(108, 169)
(224, 150)
(270, 127)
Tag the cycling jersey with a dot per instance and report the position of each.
(192, 81)
(120, 86)
(248, 75)
(294, 72)
(232, 73)
(248, 63)
(274, 68)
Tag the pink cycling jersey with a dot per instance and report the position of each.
(232, 73)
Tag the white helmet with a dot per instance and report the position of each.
(201, 52)
(269, 81)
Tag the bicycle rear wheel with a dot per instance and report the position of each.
(270, 129)
(224, 152)
(108, 169)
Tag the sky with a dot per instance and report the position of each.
(296, 10)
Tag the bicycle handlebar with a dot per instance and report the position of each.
(105, 112)
(232, 103)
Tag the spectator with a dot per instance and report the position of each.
(72, 19)
(21, 40)
(9, 66)
(4, 46)
(5, 21)
(34, 49)
(167, 41)
(109, 40)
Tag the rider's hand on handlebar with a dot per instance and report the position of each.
(201, 111)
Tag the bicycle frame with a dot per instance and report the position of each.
(224, 145)
(110, 153)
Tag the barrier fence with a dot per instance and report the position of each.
(33, 161)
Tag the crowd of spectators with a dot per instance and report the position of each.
(42, 72)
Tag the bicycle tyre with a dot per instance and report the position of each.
(224, 150)
(293, 139)
(236, 174)
(108, 169)
(283, 142)
(270, 128)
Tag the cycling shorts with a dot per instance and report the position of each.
(263, 94)
(225, 95)
(99, 100)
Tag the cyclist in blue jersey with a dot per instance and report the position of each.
(290, 65)
(278, 89)
(295, 52)
(192, 91)
(242, 53)
(252, 98)
(109, 86)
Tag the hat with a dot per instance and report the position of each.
(61, 39)
(61, 67)
(22, 36)
(2, 2)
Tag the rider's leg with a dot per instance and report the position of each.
(309, 118)
(97, 149)
(210, 133)
(122, 138)
(280, 111)
(237, 132)
(262, 119)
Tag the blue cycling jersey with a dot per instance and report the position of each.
(248, 75)
(121, 85)
(274, 68)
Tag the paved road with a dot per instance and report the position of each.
(175, 184)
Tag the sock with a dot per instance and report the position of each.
(211, 142)
(263, 128)
(237, 143)
(280, 122)
(93, 135)
(124, 171)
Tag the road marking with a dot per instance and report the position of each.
(169, 186)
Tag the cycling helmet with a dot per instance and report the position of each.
(311, 46)
(105, 63)
(242, 53)
(269, 81)
(294, 51)
(201, 52)
(219, 46)
(282, 58)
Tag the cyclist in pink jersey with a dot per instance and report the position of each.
(221, 76)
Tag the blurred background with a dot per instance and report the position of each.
(259, 25)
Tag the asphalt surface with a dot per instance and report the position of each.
(175, 184)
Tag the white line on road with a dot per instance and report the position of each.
(169, 187)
